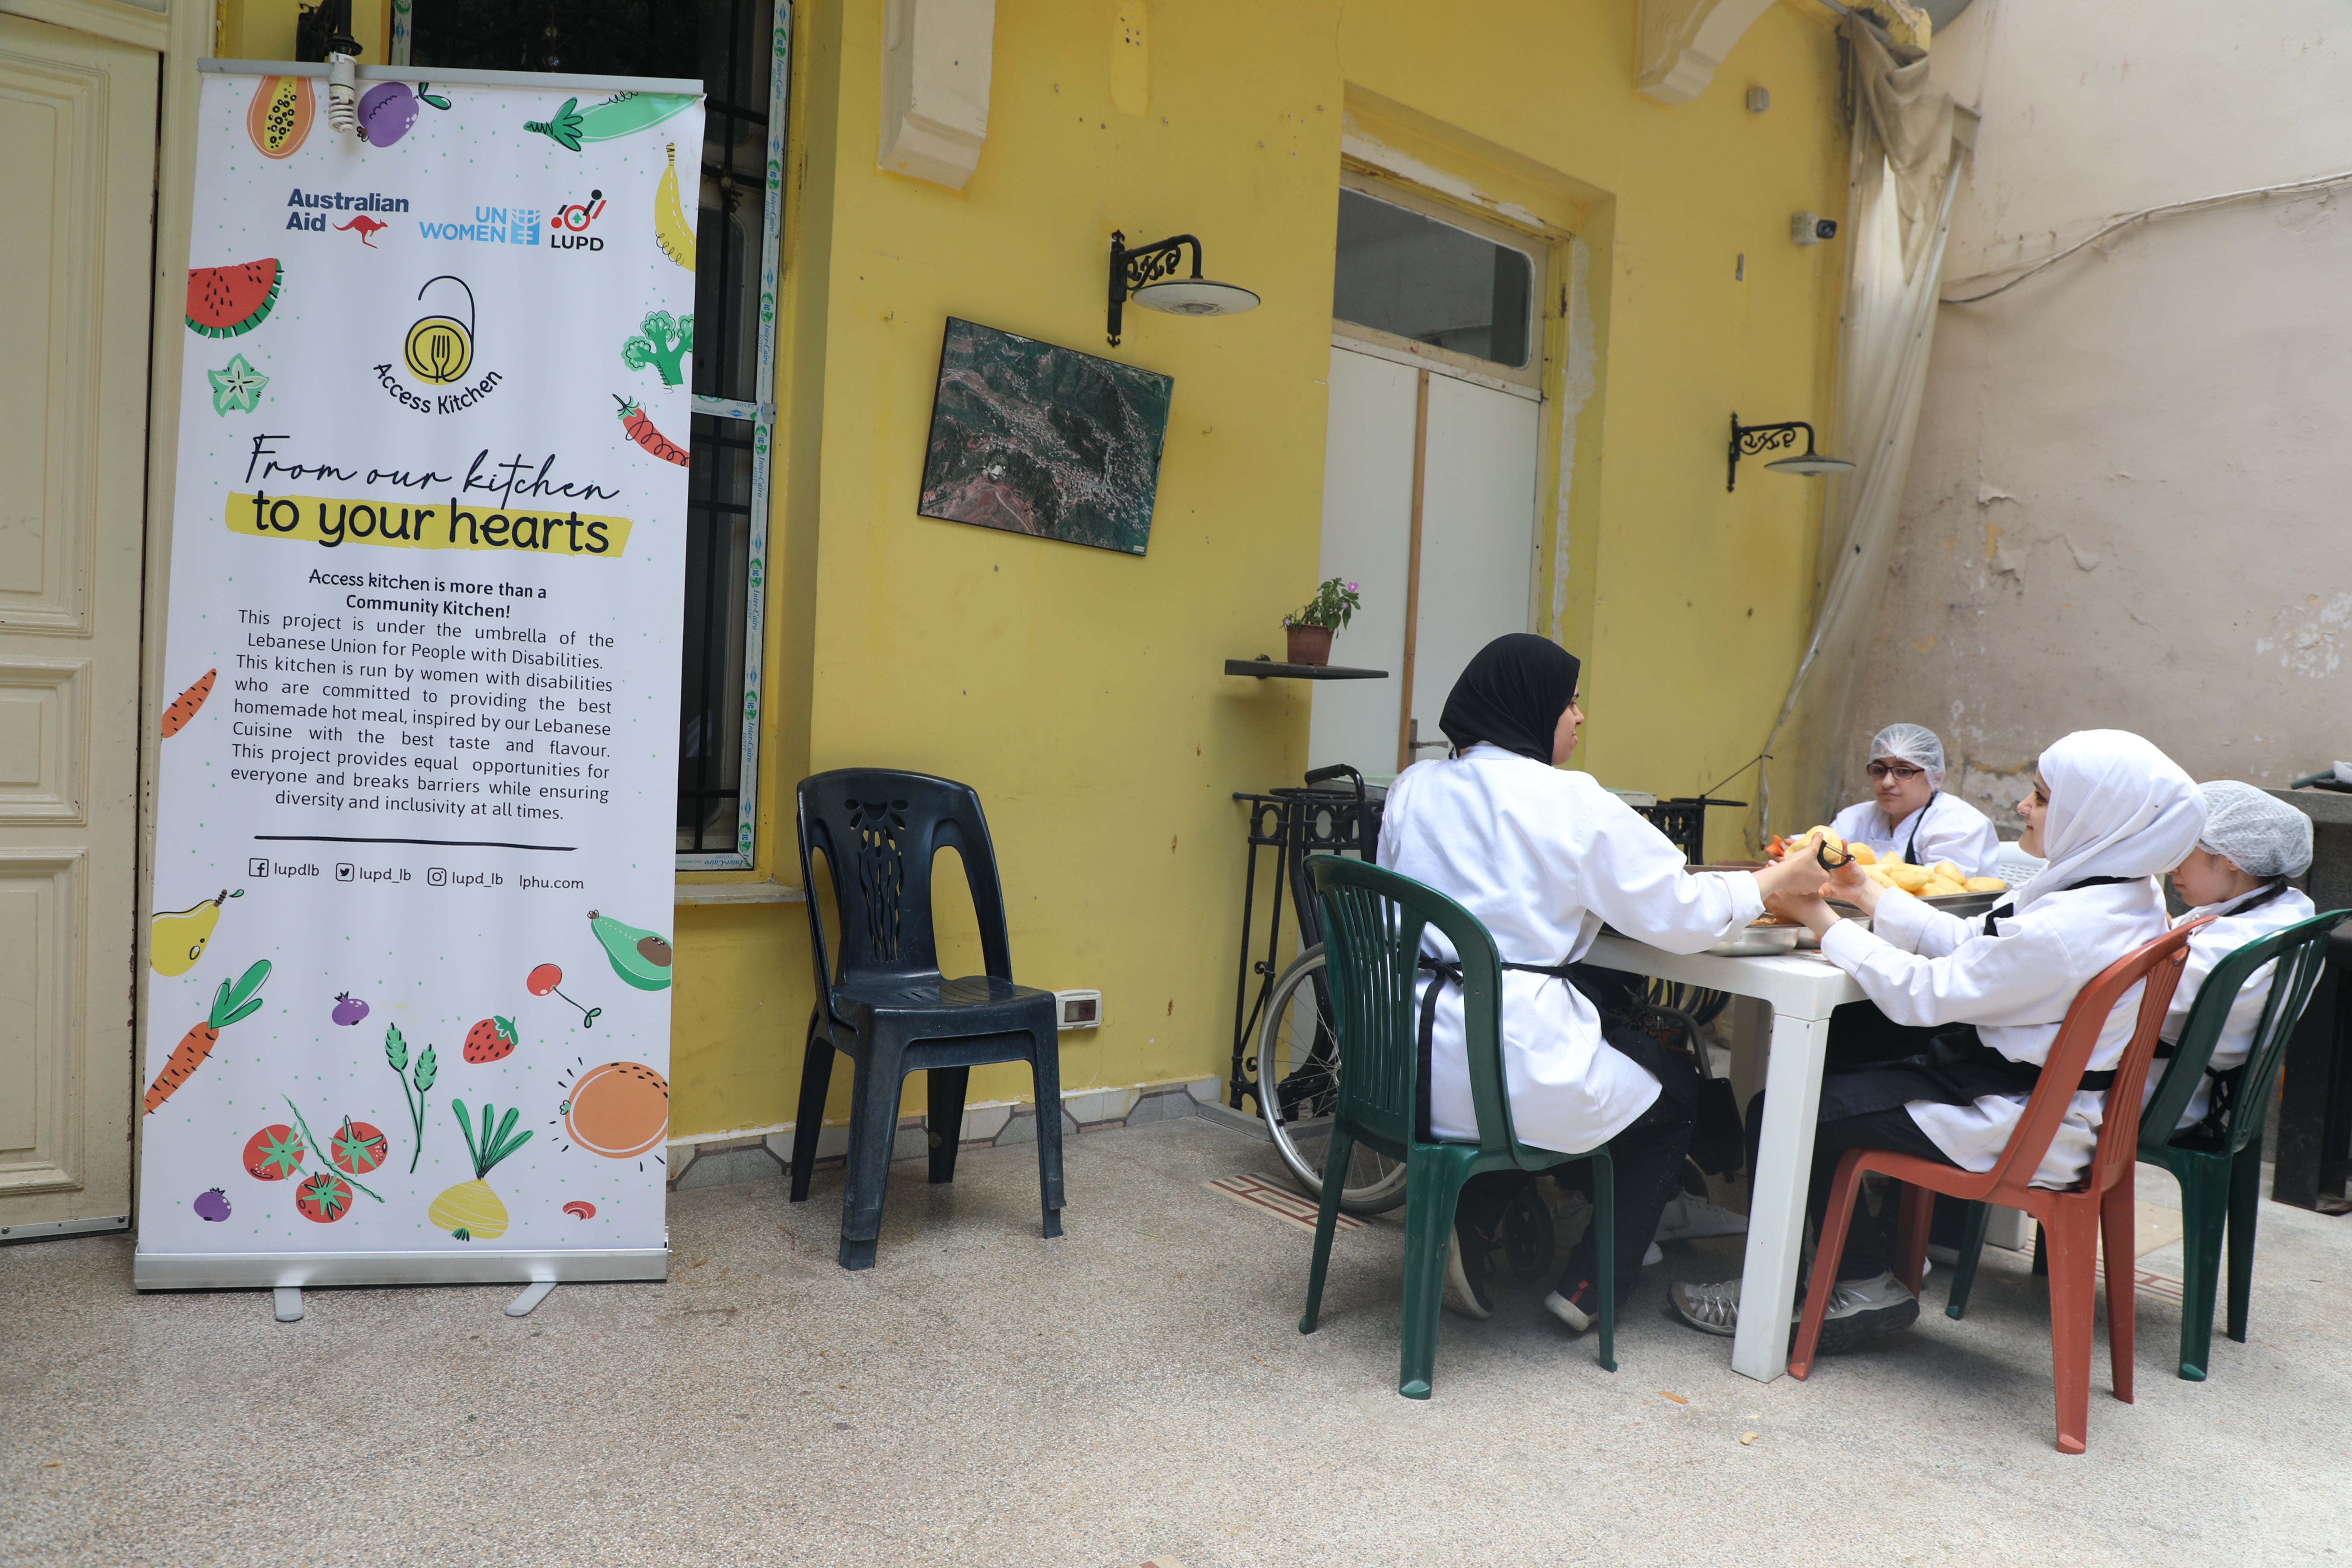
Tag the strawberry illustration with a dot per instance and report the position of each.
(490, 1040)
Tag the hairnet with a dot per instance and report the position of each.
(1511, 694)
(2257, 833)
(1913, 744)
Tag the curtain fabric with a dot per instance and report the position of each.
(1898, 212)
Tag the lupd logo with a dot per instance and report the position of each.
(570, 225)
(438, 351)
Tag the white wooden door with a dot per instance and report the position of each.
(1470, 583)
(1367, 540)
(77, 173)
(1477, 534)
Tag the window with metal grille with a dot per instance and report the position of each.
(739, 51)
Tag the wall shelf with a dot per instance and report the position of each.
(1267, 669)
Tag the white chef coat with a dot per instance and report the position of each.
(1949, 828)
(2208, 947)
(1925, 968)
(1542, 857)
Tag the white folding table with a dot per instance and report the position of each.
(1801, 989)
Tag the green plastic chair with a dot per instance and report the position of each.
(2220, 1174)
(1373, 925)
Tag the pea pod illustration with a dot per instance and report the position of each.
(623, 114)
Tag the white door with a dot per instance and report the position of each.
(1477, 535)
(1469, 583)
(78, 127)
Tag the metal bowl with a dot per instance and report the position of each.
(1762, 937)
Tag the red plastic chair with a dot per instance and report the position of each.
(2072, 1220)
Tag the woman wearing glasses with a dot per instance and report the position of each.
(1909, 814)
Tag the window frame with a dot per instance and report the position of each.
(1526, 380)
(761, 414)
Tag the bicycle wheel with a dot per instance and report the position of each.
(1298, 1085)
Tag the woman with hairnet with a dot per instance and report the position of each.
(1909, 814)
(2252, 844)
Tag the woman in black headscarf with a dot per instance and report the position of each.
(1542, 856)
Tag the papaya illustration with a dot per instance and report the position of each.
(183, 706)
(639, 957)
(229, 302)
(281, 115)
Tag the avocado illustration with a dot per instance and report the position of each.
(639, 957)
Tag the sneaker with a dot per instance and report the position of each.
(1654, 1255)
(1859, 1311)
(1709, 1309)
(1465, 1281)
(1862, 1309)
(1579, 1309)
(1688, 1218)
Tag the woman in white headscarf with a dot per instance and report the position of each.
(1908, 813)
(2110, 812)
(2238, 874)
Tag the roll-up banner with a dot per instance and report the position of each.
(408, 1019)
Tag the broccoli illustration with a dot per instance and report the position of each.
(664, 346)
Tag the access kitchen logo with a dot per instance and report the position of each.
(437, 352)
(566, 228)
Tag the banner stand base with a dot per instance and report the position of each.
(538, 1291)
(272, 1270)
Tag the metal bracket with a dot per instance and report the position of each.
(533, 1294)
(287, 1301)
(1131, 269)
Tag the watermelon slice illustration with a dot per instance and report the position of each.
(227, 302)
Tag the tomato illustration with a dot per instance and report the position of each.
(325, 1197)
(358, 1147)
(273, 1153)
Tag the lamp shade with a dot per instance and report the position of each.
(1811, 463)
(1195, 296)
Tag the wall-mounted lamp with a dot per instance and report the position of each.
(1148, 273)
(1753, 440)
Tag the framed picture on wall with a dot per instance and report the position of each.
(1042, 440)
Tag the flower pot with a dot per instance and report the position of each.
(1309, 645)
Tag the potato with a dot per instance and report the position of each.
(1950, 872)
(1985, 884)
(1863, 854)
(1942, 888)
(1894, 858)
(1912, 878)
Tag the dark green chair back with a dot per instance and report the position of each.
(2300, 953)
(1374, 921)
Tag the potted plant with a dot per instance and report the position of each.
(1309, 630)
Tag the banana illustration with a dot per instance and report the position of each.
(671, 231)
(177, 939)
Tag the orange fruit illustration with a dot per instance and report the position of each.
(618, 1110)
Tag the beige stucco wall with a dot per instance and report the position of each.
(2126, 504)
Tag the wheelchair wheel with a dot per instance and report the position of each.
(1298, 1086)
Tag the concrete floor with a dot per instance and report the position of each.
(1138, 1389)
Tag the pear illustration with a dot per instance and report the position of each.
(639, 957)
(177, 940)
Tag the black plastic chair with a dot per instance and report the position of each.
(885, 1005)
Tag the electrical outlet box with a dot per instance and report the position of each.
(1078, 1009)
(1759, 101)
(1812, 228)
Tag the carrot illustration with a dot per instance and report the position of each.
(230, 1002)
(641, 430)
(183, 706)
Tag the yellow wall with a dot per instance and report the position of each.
(1081, 691)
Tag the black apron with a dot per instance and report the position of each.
(1678, 1076)
(1956, 1068)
